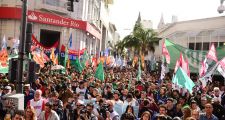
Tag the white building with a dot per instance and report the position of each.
(194, 34)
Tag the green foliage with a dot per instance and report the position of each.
(141, 40)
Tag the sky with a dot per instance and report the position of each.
(124, 13)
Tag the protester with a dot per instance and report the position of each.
(38, 103)
(30, 113)
(129, 113)
(28, 94)
(48, 113)
(208, 113)
(80, 95)
(18, 115)
(146, 116)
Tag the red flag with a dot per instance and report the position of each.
(165, 53)
(188, 70)
(183, 64)
(203, 68)
(212, 53)
(176, 66)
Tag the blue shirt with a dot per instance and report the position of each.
(204, 117)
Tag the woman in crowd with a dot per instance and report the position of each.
(30, 113)
(186, 112)
(129, 110)
(146, 116)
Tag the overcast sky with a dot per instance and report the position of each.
(124, 13)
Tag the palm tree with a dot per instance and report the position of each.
(141, 40)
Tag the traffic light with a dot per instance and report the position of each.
(28, 42)
(70, 5)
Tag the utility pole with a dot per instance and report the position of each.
(23, 27)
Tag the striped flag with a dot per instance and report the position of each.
(212, 53)
(165, 52)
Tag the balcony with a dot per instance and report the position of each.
(58, 6)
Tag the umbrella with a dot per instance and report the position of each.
(57, 67)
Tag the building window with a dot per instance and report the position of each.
(221, 44)
(206, 46)
(192, 46)
(198, 46)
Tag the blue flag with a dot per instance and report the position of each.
(70, 42)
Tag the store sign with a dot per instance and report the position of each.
(46, 18)
(55, 20)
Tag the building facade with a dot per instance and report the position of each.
(53, 23)
(194, 34)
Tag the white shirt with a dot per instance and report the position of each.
(81, 92)
(38, 106)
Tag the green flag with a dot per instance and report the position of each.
(84, 60)
(139, 71)
(181, 79)
(78, 66)
(66, 57)
(99, 74)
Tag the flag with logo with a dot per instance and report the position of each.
(99, 74)
(165, 52)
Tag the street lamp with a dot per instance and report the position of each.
(221, 8)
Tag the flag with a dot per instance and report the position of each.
(222, 63)
(163, 70)
(52, 55)
(70, 42)
(78, 66)
(181, 79)
(139, 71)
(165, 52)
(84, 60)
(204, 67)
(4, 43)
(56, 61)
(37, 58)
(221, 70)
(68, 63)
(221, 67)
(66, 58)
(106, 52)
(177, 66)
(99, 74)
(212, 53)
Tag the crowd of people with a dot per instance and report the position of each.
(80, 96)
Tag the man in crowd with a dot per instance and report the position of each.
(48, 113)
(28, 94)
(208, 115)
(38, 102)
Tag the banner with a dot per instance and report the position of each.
(194, 56)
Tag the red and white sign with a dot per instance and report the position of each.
(46, 18)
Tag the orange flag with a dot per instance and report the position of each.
(52, 56)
